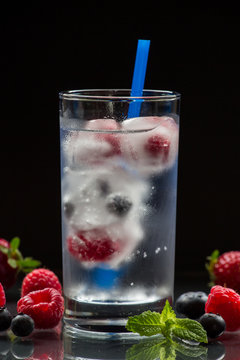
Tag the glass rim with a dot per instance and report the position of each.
(98, 94)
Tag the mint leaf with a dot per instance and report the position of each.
(28, 264)
(152, 323)
(146, 324)
(14, 243)
(189, 330)
(167, 313)
(12, 263)
(146, 349)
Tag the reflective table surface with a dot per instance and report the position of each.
(59, 343)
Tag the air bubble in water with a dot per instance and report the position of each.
(165, 248)
(144, 254)
(157, 250)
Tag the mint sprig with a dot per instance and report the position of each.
(15, 258)
(166, 323)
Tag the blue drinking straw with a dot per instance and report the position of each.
(105, 277)
(139, 77)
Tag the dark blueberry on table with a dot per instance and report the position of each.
(118, 204)
(22, 349)
(191, 304)
(22, 325)
(68, 208)
(214, 324)
(5, 319)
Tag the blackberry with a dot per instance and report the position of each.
(5, 319)
(118, 204)
(214, 324)
(68, 208)
(22, 325)
(191, 304)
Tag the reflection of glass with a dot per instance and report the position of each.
(153, 348)
(119, 179)
(87, 348)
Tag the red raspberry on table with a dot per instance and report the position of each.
(2, 297)
(44, 306)
(40, 279)
(225, 302)
(92, 245)
(224, 270)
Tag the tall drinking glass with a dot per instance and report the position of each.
(119, 186)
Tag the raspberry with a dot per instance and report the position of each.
(45, 307)
(40, 279)
(2, 297)
(225, 302)
(93, 245)
(158, 146)
(227, 270)
(111, 138)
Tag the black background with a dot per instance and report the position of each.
(194, 50)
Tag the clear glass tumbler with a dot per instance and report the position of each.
(119, 185)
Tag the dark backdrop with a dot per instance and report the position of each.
(194, 50)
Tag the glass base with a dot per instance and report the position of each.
(104, 321)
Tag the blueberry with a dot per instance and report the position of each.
(118, 204)
(104, 187)
(214, 324)
(22, 325)
(68, 208)
(5, 319)
(191, 304)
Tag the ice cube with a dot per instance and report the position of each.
(111, 245)
(99, 198)
(94, 144)
(151, 143)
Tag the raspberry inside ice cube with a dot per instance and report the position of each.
(158, 145)
(94, 245)
(151, 143)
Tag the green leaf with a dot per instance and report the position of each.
(189, 330)
(12, 263)
(167, 313)
(28, 264)
(146, 324)
(14, 243)
(4, 250)
(215, 255)
(146, 349)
